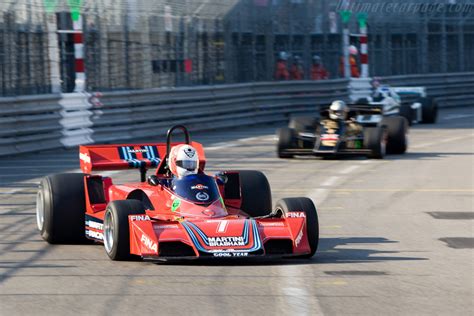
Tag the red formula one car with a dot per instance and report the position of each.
(226, 215)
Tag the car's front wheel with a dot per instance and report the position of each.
(116, 227)
(305, 205)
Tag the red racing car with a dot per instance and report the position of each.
(172, 215)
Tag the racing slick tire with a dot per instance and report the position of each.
(429, 110)
(116, 228)
(375, 140)
(406, 112)
(397, 129)
(286, 138)
(61, 209)
(255, 193)
(303, 123)
(302, 204)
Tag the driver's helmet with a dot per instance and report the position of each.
(183, 160)
(283, 55)
(338, 110)
(353, 50)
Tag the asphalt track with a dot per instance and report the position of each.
(397, 238)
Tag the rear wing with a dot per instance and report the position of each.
(128, 156)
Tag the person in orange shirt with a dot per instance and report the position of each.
(281, 71)
(353, 52)
(297, 71)
(318, 72)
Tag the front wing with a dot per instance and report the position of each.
(218, 238)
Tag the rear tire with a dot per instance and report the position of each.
(429, 110)
(397, 129)
(407, 112)
(303, 204)
(255, 193)
(61, 208)
(286, 138)
(375, 141)
(116, 227)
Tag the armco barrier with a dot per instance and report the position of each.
(135, 114)
(41, 122)
(29, 123)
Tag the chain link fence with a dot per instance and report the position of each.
(137, 44)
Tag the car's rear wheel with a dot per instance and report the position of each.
(302, 204)
(375, 140)
(286, 138)
(255, 193)
(60, 208)
(116, 228)
(407, 112)
(429, 110)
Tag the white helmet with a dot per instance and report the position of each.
(183, 160)
(283, 55)
(338, 110)
(353, 50)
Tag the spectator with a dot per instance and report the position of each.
(297, 71)
(353, 52)
(318, 72)
(281, 72)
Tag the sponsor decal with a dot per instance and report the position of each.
(189, 152)
(175, 205)
(199, 187)
(202, 196)
(94, 234)
(226, 241)
(296, 215)
(134, 151)
(329, 137)
(209, 212)
(147, 242)
(137, 218)
(222, 227)
(298, 238)
(85, 157)
(93, 224)
(230, 254)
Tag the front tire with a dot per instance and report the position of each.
(116, 227)
(61, 208)
(397, 130)
(375, 141)
(255, 193)
(302, 204)
(286, 138)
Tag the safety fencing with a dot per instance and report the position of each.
(41, 122)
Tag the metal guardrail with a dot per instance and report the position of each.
(142, 113)
(35, 123)
(29, 123)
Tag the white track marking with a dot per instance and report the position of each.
(349, 169)
(330, 181)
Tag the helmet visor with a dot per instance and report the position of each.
(189, 165)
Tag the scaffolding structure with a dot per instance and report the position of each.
(137, 44)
